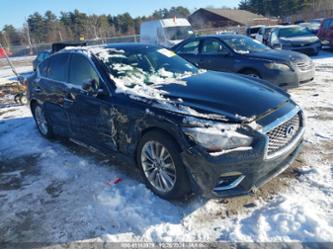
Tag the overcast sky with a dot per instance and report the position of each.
(15, 11)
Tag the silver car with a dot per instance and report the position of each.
(296, 38)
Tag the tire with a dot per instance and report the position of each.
(17, 99)
(23, 100)
(42, 124)
(177, 187)
(251, 73)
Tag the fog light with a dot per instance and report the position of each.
(229, 181)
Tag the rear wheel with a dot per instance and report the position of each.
(162, 167)
(41, 121)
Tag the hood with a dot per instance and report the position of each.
(230, 95)
(282, 55)
(300, 39)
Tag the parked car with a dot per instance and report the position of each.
(41, 56)
(165, 32)
(313, 27)
(186, 129)
(325, 32)
(264, 33)
(296, 38)
(253, 31)
(241, 54)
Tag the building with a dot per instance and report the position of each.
(217, 18)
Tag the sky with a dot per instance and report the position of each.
(15, 11)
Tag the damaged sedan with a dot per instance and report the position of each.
(188, 130)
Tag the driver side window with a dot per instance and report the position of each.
(211, 47)
(81, 71)
(190, 48)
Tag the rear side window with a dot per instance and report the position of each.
(43, 68)
(190, 48)
(81, 70)
(58, 67)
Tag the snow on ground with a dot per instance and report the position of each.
(55, 191)
(22, 65)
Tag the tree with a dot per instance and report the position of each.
(11, 36)
(273, 7)
(48, 28)
(51, 23)
(37, 27)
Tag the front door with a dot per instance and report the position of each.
(214, 55)
(190, 51)
(90, 114)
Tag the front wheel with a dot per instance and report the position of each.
(42, 124)
(162, 167)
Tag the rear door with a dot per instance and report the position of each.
(53, 88)
(90, 115)
(330, 32)
(190, 51)
(214, 55)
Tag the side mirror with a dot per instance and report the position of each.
(91, 86)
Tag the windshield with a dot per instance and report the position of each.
(148, 65)
(178, 33)
(244, 45)
(311, 26)
(294, 31)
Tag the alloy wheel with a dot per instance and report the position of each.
(158, 166)
(41, 120)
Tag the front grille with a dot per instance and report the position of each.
(284, 134)
(299, 45)
(305, 65)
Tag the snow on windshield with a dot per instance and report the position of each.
(244, 45)
(141, 75)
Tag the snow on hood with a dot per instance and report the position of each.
(143, 86)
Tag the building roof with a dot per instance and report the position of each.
(240, 16)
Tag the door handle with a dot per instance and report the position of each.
(37, 89)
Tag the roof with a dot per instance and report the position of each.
(119, 46)
(172, 22)
(240, 16)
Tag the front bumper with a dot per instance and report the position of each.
(253, 167)
(308, 49)
(290, 79)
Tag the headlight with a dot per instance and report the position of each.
(214, 139)
(278, 66)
